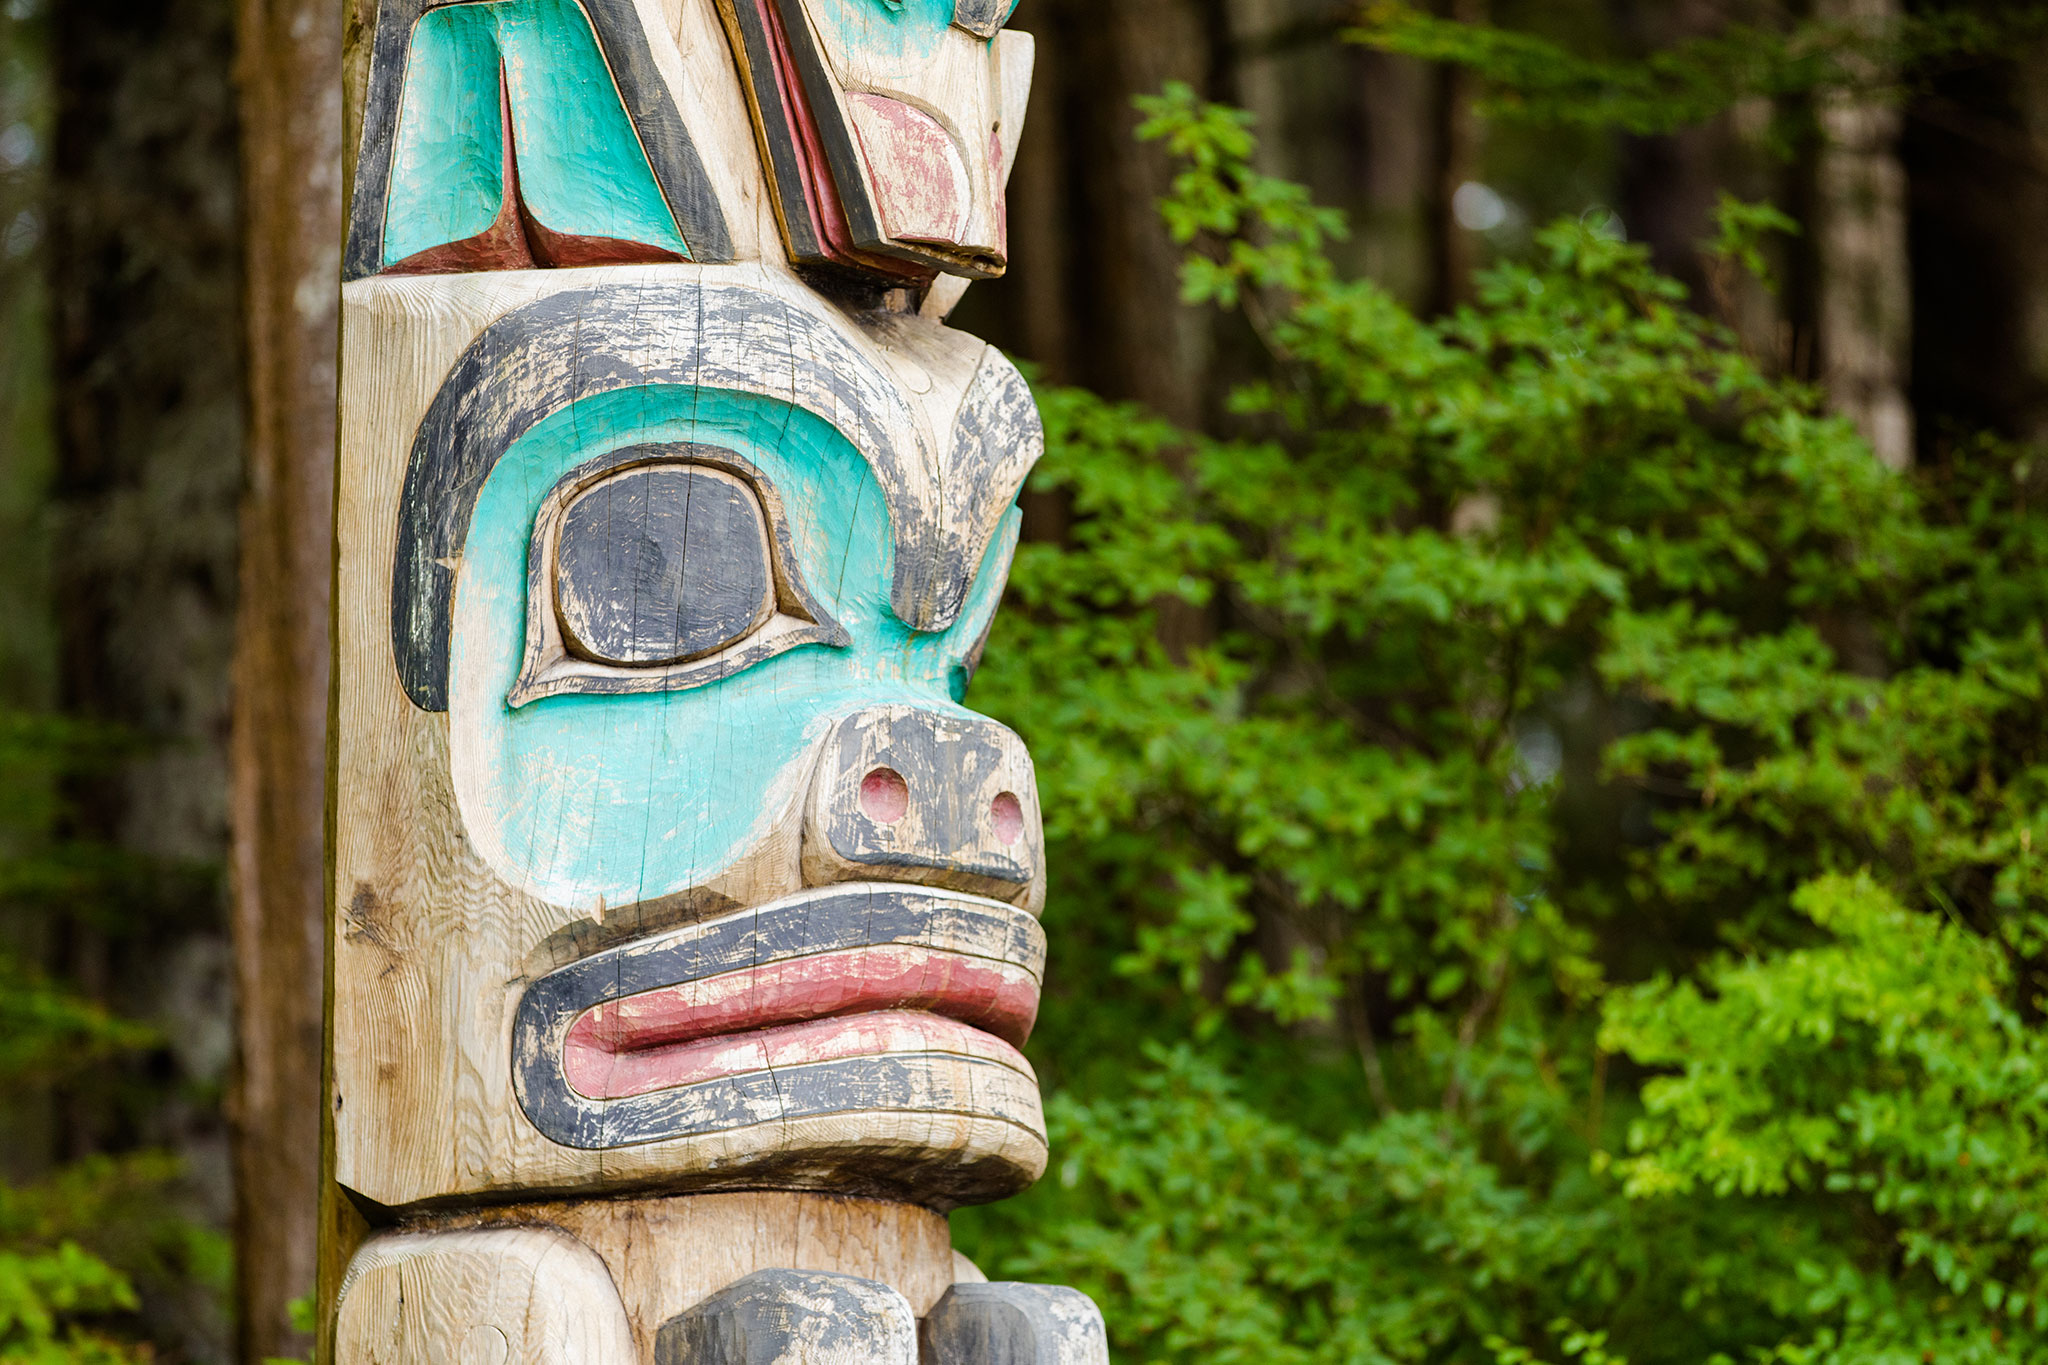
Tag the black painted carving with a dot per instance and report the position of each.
(778, 137)
(982, 18)
(801, 926)
(540, 358)
(792, 1317)
(662, 563)
(678, 170)
(1013, 1324)
(803, 622)
(947, 762)
(997, 437)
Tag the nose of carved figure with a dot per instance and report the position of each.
(906, 794)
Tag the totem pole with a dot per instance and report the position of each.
(685, 924)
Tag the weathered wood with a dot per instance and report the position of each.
(483, 1296)
(793, 1317)
(662, 564)
(865, 178)
(666, 861)
(618, 46)
(966, 814)
(1013, 1324)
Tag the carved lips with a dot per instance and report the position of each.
(900, 998)
(824, 1002)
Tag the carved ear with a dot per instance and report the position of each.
(471, 159)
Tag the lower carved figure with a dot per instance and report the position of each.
(492, 1295)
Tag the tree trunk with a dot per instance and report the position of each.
(1864, 312)
(1976, 147)
(1093, 293)
(290, 77)
(143, 284)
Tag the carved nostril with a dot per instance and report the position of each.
(1008, 813)
(885, 796)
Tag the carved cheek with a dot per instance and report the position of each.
(921, 182)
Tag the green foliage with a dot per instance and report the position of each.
(1535, 80)
(1549, 824)
(39, 1290)
(70, 1240)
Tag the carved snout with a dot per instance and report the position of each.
(945, 799)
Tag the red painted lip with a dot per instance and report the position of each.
(850, 1003)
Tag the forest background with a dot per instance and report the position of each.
(1531, 632)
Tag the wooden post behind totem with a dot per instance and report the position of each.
(685, 925)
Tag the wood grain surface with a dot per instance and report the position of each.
(859, 497)
(662, 1256)
(431, 945)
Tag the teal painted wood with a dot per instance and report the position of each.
(907, 30)
(448, 181)
(630, 798)
(581, 168)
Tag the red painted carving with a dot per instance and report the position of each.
(821, 193)
(600, 1075)
(670, 1036)
(516, 240)
(921, 187)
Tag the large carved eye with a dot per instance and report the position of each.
(659, 568)
(663, 564)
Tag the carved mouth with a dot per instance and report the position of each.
(902, 998)
(831, 1001)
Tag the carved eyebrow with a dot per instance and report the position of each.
(944, 507)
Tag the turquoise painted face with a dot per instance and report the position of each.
(592, 798)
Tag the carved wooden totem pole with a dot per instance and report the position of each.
(685, 925)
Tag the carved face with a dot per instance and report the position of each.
(668, 856)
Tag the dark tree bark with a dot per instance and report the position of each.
(290, 77)
(1976, 154)
(143, 272)
(1093, 293)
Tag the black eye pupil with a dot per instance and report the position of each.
(662, 564)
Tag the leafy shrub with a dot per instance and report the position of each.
(73, 1241)
(1548, 821)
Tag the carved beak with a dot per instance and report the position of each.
(881, 162)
